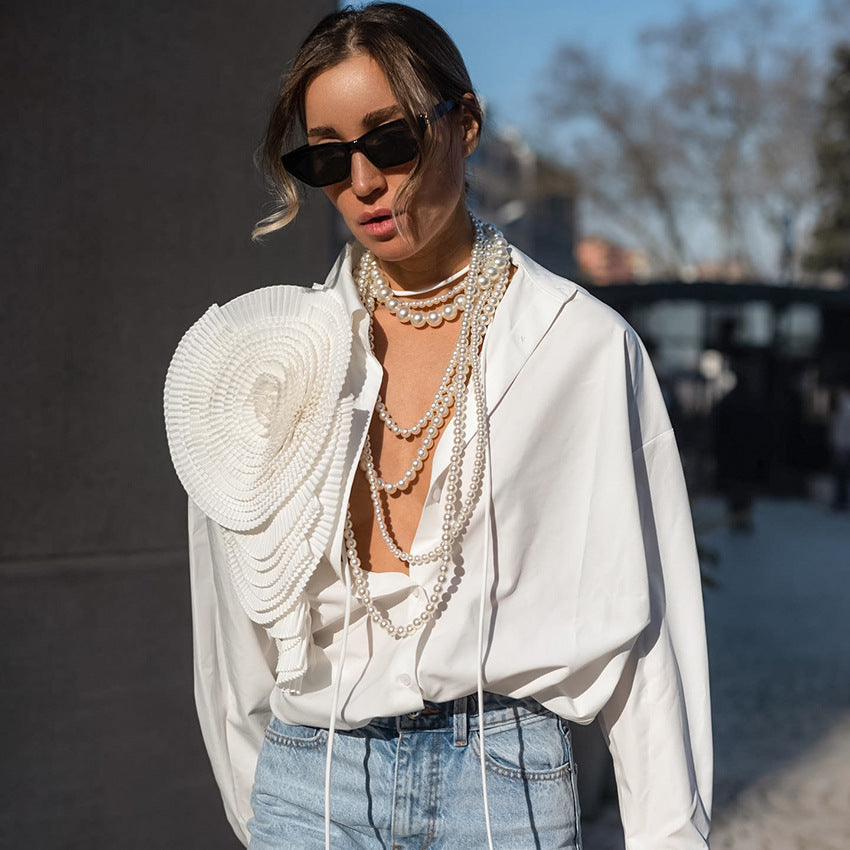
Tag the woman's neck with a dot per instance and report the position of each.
(443, 256)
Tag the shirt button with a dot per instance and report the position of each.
(417, 592)
(405, 680)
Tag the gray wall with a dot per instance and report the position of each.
(126, 142)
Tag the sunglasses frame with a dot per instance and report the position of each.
(291, 161)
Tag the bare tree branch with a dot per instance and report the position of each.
(721, 132)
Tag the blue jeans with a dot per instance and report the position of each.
(411, 782)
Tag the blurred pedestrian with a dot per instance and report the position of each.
(839, 432)
(741, 440)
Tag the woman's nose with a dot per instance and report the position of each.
(366, 178)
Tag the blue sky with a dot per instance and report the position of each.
(507, 43)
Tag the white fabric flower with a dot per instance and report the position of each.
(258, 434)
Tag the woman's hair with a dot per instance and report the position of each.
(421, 63)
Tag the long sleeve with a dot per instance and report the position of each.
(658, 719)
(234, 662)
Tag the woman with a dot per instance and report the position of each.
(436, 507)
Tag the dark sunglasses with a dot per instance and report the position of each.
(391, 144)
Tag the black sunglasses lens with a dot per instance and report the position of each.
(390, 145)
(320, 165)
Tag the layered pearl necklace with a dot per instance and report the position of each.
(476, 298)
(424, 312)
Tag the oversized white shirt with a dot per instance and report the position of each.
(593, 596)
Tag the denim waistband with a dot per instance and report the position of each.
(445, 715)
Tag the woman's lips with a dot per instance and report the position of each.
(378, 223)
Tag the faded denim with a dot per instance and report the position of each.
(414, 782)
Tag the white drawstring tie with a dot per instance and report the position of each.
(335, 702)
(482, 602)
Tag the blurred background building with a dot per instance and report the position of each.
(531, 198)
(602, 262)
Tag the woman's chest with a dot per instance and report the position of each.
(416, 403)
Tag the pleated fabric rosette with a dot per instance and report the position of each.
(258, 433)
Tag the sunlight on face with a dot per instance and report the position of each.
(347, 101)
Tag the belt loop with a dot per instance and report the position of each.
(461, 721)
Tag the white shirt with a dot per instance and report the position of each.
(594, 597)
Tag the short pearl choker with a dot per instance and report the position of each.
(482, 290)
(421, 312)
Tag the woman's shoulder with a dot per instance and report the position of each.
(582, 313)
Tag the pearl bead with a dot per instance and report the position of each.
(403, 314)
(418, 320)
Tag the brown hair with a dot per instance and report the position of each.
(422, 65)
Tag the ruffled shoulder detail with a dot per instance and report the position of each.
(258, 433)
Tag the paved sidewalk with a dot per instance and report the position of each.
(802, 807)
(778, 626)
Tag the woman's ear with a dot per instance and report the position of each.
(469, 124)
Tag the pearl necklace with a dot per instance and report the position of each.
(483, 288)
(421, 312)
(405, 293)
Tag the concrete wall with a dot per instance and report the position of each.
(126, 143)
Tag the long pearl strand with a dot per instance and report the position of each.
(482, 291)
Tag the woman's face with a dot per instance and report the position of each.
(347, 101)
